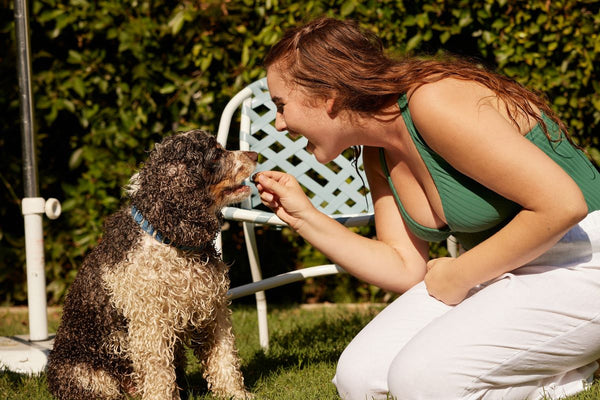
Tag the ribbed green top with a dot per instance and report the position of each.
(474, 212)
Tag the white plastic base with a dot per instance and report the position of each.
(18, 354)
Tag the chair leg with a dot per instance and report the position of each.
(263, 327)
(452, 246)
(219, 244)
(261, 301)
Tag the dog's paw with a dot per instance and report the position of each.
(242, 395)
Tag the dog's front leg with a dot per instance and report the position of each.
(220, 358)
(151, 349)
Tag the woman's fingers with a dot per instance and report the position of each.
(274, 182)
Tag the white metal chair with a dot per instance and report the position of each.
(336, 189)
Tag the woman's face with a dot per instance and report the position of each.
(302, 116)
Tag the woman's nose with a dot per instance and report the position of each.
(280, 122)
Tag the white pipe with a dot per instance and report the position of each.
(33, 208)
(230, 109)
(284, 279)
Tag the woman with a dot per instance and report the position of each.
(449, 148)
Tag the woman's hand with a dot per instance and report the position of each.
(443, 281)
(282, 194)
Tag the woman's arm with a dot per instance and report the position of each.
(459, 121)
(395, 264)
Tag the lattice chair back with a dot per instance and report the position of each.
(336, 188)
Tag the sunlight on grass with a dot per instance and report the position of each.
(304, 347)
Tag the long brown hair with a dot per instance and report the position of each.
(330, 56)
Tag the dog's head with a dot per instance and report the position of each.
(185, 182)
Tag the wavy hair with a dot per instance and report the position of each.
(328, 56)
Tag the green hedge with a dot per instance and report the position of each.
(112, 77)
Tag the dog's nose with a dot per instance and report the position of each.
(252, 155)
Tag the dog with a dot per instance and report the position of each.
(155, 283)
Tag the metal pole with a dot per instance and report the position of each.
(33, 205)
(27, 118)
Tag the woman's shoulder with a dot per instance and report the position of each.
(448, 89)
(453, 99)
(448, 98)
(449, 86)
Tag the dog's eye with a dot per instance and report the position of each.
(216, 155)
(208, 170)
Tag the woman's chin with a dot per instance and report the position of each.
(319, 155)
(323, 159)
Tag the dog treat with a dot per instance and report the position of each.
(254, 178)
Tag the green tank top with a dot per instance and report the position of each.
(474, 212)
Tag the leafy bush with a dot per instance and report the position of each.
(111, 78)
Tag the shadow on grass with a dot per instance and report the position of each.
(321, 342)
(17, 386)
(11, 379)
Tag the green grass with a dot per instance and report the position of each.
(305, 346)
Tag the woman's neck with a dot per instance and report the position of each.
(385, 129)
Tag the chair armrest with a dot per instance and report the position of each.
(254, 216)
(268, 218)
(283, 279)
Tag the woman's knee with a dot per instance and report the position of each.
(425, 378)
(359, 377)
(406, 377)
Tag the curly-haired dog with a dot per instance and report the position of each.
(155, 282)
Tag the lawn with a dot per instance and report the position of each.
(305, 345)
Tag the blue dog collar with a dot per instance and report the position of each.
(156, 234)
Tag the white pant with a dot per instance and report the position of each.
(530, 333)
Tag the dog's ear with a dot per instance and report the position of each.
(190, 226)
(172, 188)
(187, 216)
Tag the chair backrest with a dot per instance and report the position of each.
(335, 188)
